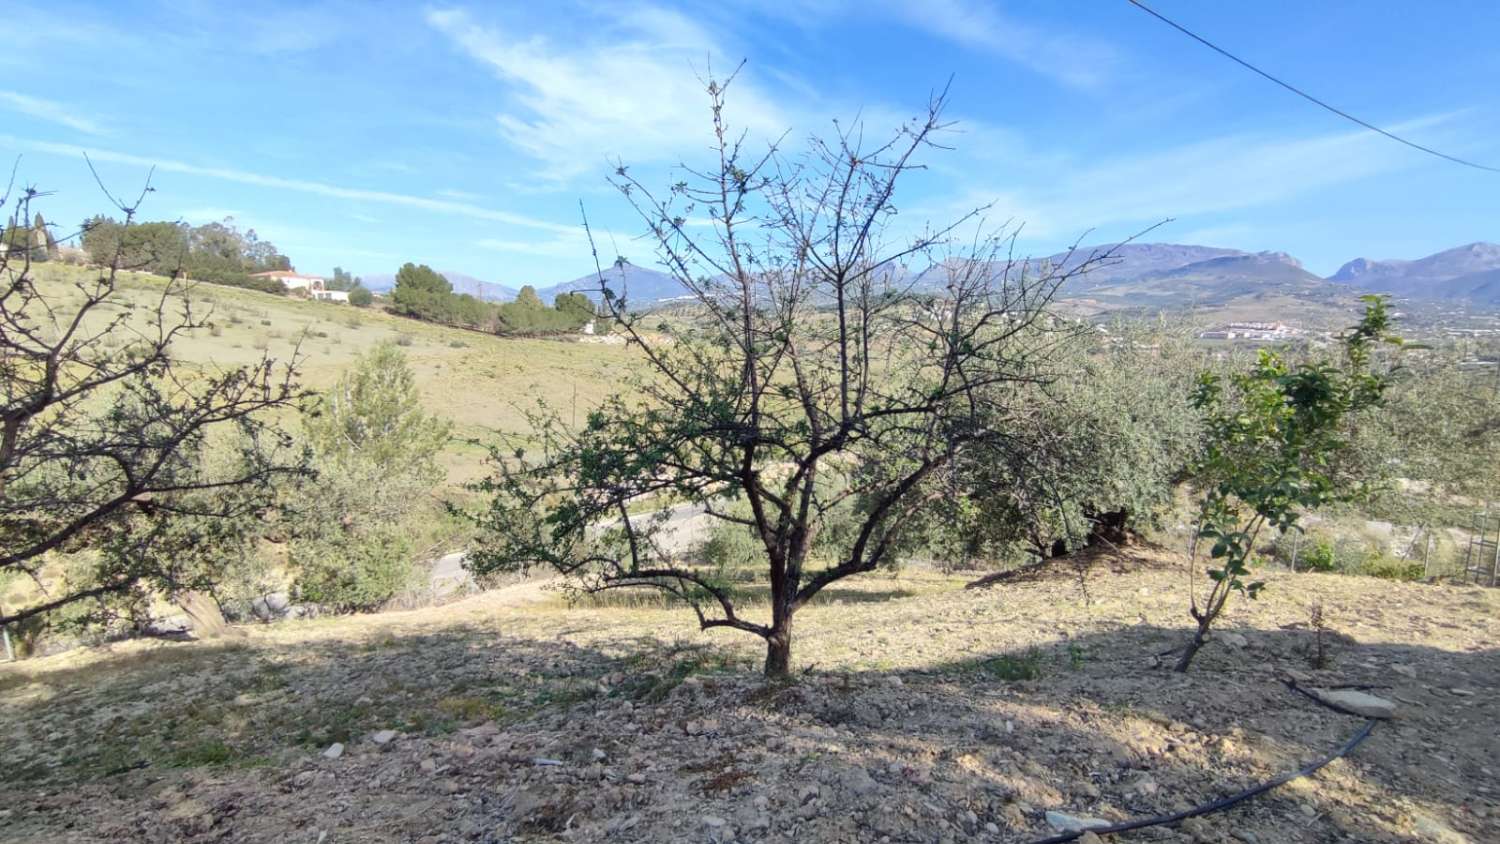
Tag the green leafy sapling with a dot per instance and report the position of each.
(1273, 438)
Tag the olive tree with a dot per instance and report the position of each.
(836, 358)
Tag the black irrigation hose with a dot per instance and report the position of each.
(1223, 802)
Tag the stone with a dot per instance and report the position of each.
(598, 755)
(1064, 822)
(713, 822)
(272, 606)
(994, 829)
(1089, 838)
(1405, 671)
(1434, 830)
(384, 737)
(334, 751)
(1462, 692)
(859, 781)
(1198, 828)
(1234, 640)
(1356, 701)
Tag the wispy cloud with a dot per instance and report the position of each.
(632, 92)
(558, 246)
(50, 111)
(1190, 181)
(462, 209)
(1073, 60)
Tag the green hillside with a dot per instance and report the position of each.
(479, 381)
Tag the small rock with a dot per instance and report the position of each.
(1064, 822)
(1357, 702)
(544, 762)
(334, 751)
(1198, 828)
(859, 781)
(713, 822)
(994, 829)
(1405, 670)
(428, 766)
(384, 737)
(598, 755)
(1432, 829)
(1462, 692)
(1234, 640)
(1089, 838)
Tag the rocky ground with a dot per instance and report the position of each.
(925, 713)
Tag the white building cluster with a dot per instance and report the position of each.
(1263, 331)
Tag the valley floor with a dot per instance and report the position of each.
(924, 713)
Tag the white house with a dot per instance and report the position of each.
(313, 286)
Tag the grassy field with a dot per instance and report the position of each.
(479, 381)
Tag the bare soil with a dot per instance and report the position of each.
(924, 713)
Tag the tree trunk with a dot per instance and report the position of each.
(1191, 650)
(779, 647)
(203, 613)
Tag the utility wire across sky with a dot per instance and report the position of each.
(1303, 94)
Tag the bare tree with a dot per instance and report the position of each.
(104, 435)
(825, 376)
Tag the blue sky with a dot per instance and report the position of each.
(368, 134)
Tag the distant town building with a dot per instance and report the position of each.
(1260, 331)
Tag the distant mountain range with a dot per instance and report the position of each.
(1138, 275)
(1466, 272)
(639, 285)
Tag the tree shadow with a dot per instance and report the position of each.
(223, 741)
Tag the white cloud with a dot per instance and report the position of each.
(50, 111)
(208, 214)
(559, 246)
(1075, 61)
(1185, 182)
(462, 209)
(631, 93)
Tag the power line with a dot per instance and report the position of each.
(1301, 93)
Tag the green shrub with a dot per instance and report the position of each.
(1318, 556)
(1013, 667)
(355, 573)
(1391, 568)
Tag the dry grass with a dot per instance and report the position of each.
(480, 381)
